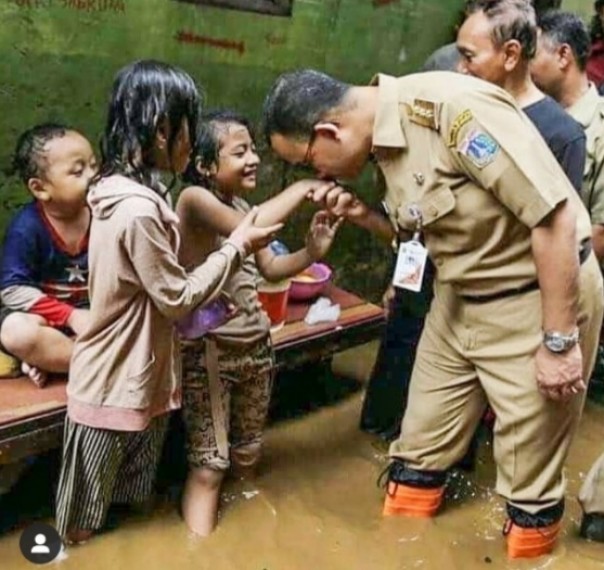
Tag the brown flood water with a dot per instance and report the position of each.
(315, 506)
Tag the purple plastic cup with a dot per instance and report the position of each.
(204, 319)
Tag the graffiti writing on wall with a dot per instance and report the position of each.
(272, 7)
(191, 38)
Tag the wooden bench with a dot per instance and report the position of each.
(31, 420)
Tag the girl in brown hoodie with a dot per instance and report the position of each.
(124, 376)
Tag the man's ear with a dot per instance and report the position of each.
(36, 187)
(512, 52)
(328, 130)
(565, 56)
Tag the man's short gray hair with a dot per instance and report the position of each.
(510, 20)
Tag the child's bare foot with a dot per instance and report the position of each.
(37, 376)
(78, 536)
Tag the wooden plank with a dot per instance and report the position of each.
(31, 420)
(298, 332)
(31, 436)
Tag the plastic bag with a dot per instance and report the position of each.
(321, 311)
(204, 319)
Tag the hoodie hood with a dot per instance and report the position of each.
(108, 193)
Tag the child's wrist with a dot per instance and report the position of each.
(312, 255)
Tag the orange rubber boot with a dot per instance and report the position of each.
(412, 501)
(531, 542)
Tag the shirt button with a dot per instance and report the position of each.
(439, 261)
(432, 210)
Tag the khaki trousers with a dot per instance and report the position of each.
(473, 353)
(591, 495)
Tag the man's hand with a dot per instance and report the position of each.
(339, 201)
(559, 376)
(78, 320)
(250, 237)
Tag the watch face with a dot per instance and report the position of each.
(555, 344)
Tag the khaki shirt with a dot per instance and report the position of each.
(460, 151)
(589, 112)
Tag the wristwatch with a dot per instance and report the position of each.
(558, 342)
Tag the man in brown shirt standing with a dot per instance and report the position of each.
(497, 42)
(518, 294)
(560, 68)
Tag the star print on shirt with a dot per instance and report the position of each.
(76, 274)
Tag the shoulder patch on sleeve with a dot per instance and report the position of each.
(462, 119)
(479, 147)
(425, 113)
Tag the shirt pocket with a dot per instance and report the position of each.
(433, 206)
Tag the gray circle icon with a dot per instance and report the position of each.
(40, 543)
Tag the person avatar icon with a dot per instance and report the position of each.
(40, 547)
(40, 543)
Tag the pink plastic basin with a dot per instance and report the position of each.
(310, 283)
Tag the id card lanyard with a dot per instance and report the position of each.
(412, 257)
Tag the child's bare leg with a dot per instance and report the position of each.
(244, 460)
(201, 498)
(31, 340)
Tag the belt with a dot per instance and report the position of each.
(584, 251)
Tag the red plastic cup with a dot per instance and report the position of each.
(273, 297)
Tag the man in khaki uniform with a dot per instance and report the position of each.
(497, 41)
(516, 285)
(559, 68)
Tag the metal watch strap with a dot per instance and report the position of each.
(558, 342)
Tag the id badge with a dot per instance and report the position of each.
(410, 266)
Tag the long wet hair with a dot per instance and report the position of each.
(207, 144)
(146, 94)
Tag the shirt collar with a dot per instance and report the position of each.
(585, 108)
(387, 128)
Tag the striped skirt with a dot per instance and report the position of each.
(101, 467)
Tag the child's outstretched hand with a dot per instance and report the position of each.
(321, 234)
(309, 186)
(250, 237)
